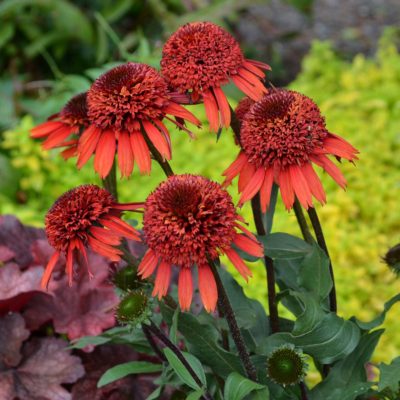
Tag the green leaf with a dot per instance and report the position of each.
(6, 33)
(237, 387)
(195, 395)
(390, 376)
(347, 379)
(284, 246)
(129, 368)
(90, 340)
(182, 371)
(269, 215)
(174, 327)
(380, 318)
(155, 395)
(202, 342)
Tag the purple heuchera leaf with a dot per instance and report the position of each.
(38, 370)
(85, 309)
(17, 287)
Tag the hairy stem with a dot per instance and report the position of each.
(227, 310)
(305, 231)
(269, 265)
(161, 336)
(312, 213)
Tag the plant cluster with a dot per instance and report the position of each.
(215, 343)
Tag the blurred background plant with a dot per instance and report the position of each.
(53, 49)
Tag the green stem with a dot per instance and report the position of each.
(312, 213)
(226, 307)
(305, 230)
(269, 266)
(110, 182)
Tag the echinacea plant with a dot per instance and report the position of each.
(202, 336)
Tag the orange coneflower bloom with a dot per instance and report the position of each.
(187, 219)
(243, 108)
(122, 104)
(68, 122)
(281, 136)
(87, 216)
(201, 57)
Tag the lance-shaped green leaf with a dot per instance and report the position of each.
(237, 387)
(390, 376)
(284, 246)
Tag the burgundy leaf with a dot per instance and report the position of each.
(12, 335)
(16, 287)
(6, 254)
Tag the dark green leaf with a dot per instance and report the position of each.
(284, 246)
(195, 395)
(237, 387)
(390, 376)
(182, 371)
(6, 33)
(129, 368)
(174, 326)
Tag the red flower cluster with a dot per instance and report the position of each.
(186, 220)
(201, 57)
(281, 136)
(86, 216)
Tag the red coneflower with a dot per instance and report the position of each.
(201, 57)
(187, 219)
(69, 121)
(87, 216)
(124, 103)
(281, 136)
(243, 108)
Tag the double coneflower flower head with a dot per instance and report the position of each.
(281, 137)
(187, 221)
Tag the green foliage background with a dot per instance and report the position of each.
(361, 103)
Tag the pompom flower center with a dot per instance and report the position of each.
(75, 111)
(187, 218)
(283, 128)
(199, 56)
(126, 93)
(74, 213)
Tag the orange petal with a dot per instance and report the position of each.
(314, 183)
(223, 107)
(238, 263)
(265, 191)
(105, 154)
(235, 168)
(211, 107)
(87, 145)
(163, 278)
(330, 168)
(148, 264)
(45, 129)
(179, 111)
(246, 174)
(252, 68)
(248, 245)
(141, 152)
(69, 265)
(103, 249)
(185, 288)
(57, 137)
(248, 89)
(207, 287)
(252, 80)
(253, 186)
(116, 224)
(106, 236)
(158, 139)
(300, 186)
(339, 147)
(259, 64)
(49, 270)
(286, 187)
(125, 155)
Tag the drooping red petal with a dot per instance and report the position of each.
(125, 155)
(246, 231)
(300, 186)
(128, 206)
(70, 152)
(253, 186)
(106, 236)
(259, 64)
(211, 107)
(116, 224)
(141, 152)
(158, 139)
(70, 262)
(265, 190)
(238, 263)
(337, 146)
(248, 89)
(49, 269)
(185, 288)
(87, 145)
(252, 68)
(253, 80)
(330, 168)
(105, 154)
(179, 111)
(248, 245)
(286, 187)
(148, 264)
(103, 249)
(45, 129)
(314, 183)
(223, 107)
(235, 168)
(246, 174)
(207, 287)
(163, 278)
(57, 137)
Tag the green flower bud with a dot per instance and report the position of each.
(126, 279)
(134, 308)
(286, 365)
